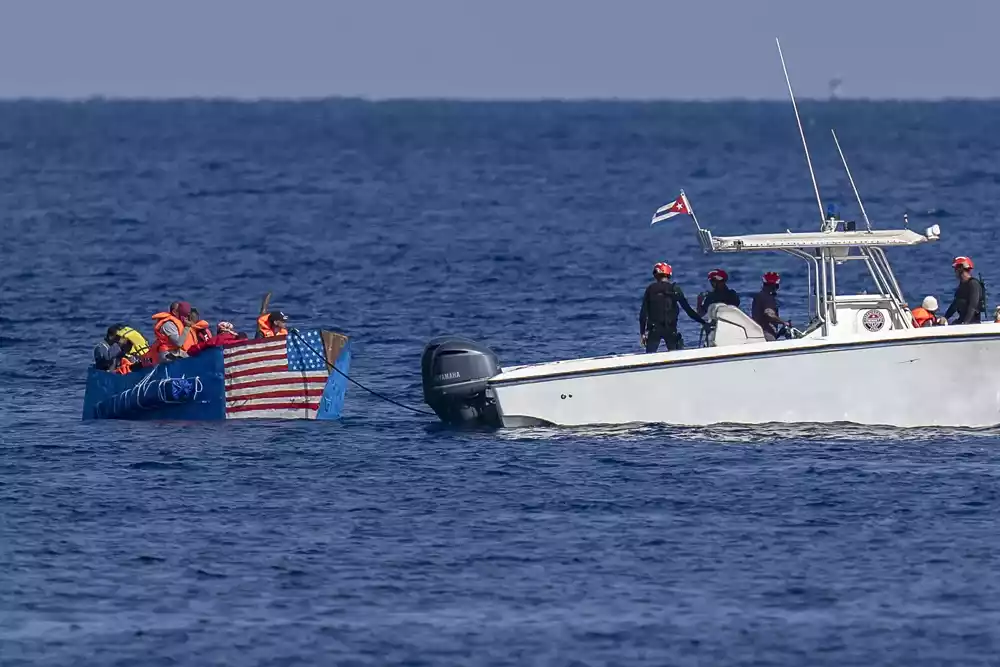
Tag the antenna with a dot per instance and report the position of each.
(868, 224)
(802, 134)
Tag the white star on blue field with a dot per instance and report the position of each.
(301, 357)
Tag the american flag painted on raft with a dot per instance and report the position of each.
(278, 377)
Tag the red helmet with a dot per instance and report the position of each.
(662, 269)
(772, 278)
(718, 274)
(963, 263)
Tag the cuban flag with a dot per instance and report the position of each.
(679, 206)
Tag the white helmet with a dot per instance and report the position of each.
(930, 303)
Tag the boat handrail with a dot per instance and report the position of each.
(887, 284)
(813, 294)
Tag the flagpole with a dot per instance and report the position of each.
(704, 237)
(690, 208)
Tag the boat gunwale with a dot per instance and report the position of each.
(711, 355)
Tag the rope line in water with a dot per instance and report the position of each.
(374, 393)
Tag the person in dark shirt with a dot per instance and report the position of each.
(108, 353)
(968, 303)
(658, 315)
(764, 310)
(720, 292)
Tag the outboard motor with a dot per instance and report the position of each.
(455, 371)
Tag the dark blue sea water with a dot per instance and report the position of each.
(385, 539)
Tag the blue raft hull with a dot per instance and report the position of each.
(194, 389)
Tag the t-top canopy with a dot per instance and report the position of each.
(831, 239)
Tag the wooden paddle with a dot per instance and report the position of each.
(263, 309)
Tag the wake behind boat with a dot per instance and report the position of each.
(860, 359)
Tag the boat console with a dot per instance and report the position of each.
(868, 314)
(731, 326)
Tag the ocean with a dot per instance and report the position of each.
(387, 539)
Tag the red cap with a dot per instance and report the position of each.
(963, 263)
(183, 309)
(662, 268)
(718, 274)
(772, 278)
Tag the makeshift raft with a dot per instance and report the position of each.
(283, 377)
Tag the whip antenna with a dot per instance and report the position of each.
(802, 134)
(868, 224)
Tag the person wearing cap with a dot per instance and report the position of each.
(970, 300)
(764, 309)
(720, 292)
(271, 324)
(172, 330)
(658, 314)
(925, 315)
(225, 333)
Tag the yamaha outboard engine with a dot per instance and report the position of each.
(455, 371)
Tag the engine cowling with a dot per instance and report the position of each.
(455, 372)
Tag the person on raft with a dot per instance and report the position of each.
(120, 350)
(201, 329)
(174, 332)
(225, 333)
(272, 324)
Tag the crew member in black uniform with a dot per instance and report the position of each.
(764, 310)
(720, 292)
(969, 297)
(658, 315)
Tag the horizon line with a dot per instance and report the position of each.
(306, 99)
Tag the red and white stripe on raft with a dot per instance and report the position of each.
(261, 381)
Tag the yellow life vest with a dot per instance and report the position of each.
(139, 344)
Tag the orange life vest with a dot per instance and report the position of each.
(162, 341)
(921, 316)
(199, 332)
(264, 326)
(124, 366)
(152, 356)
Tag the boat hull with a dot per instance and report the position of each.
(911, 378)
(195, 389)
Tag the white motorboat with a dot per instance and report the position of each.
(860, 359)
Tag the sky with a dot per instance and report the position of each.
(501, 49)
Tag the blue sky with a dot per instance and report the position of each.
(642, 49)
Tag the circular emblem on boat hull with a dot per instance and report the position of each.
(873, 320)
